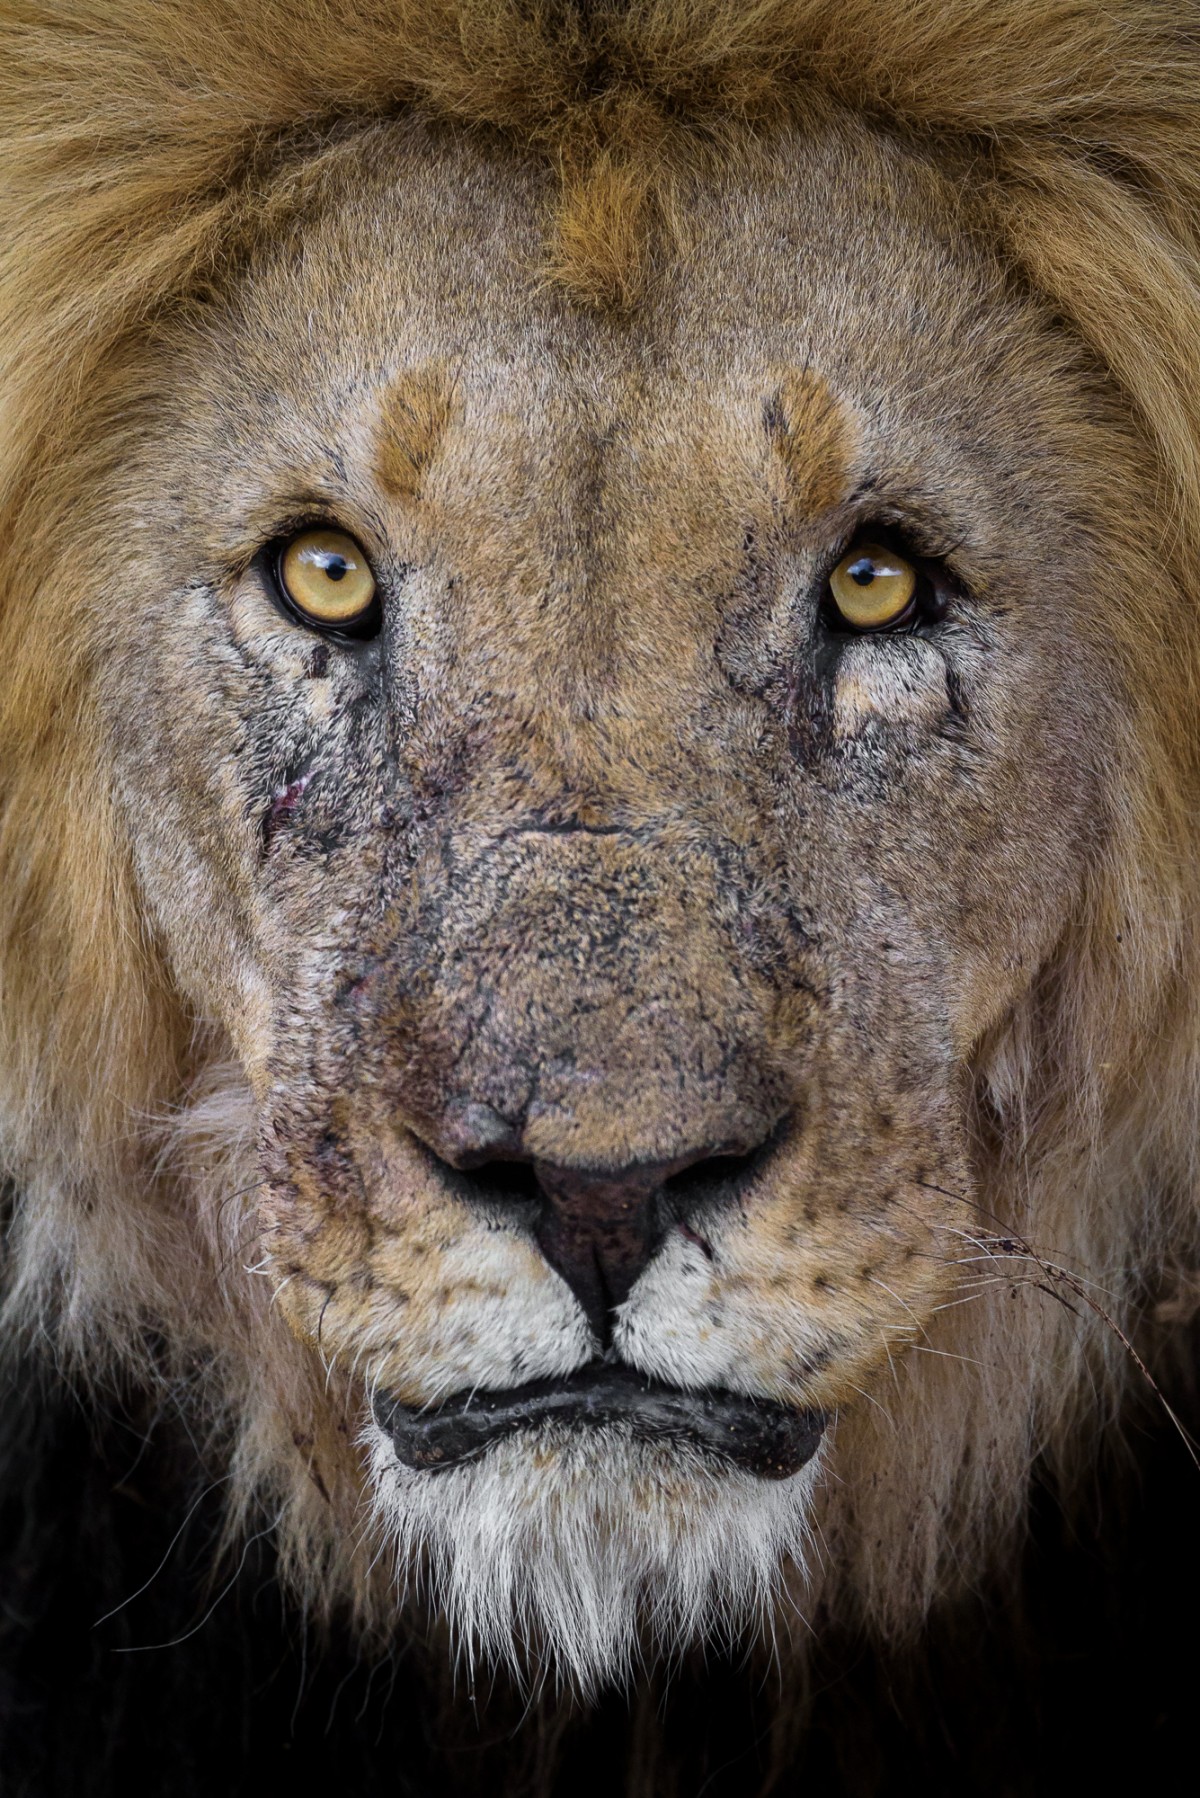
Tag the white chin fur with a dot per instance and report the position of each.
(585, 1548)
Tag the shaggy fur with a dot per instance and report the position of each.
(184, 190)
(670, 1582)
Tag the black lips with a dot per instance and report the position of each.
(768, 1439)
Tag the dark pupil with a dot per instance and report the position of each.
(336, 567)
(862, 571)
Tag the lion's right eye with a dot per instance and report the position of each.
(325, 580)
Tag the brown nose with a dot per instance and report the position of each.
(599, 1229)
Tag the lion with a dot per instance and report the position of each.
(599, 763)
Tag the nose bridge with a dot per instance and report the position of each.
(584, 999)
(584, 647)
(603, 754)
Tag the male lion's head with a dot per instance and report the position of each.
(601, 733)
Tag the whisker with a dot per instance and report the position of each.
(1013, 1245)
(884, 1287)
(153, 1647)
(241, 1247)
(170, 1549)
(871, 1400)
(925, 1348)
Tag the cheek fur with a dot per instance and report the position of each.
(897, 680)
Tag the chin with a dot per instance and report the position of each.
(592, 1552)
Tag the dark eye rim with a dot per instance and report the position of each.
(931, 597)
(366, 625)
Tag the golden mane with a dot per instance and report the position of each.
(148, 144)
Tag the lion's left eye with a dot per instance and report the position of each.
(326, 581)
(873, 587)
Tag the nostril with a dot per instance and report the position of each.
(717, 1176)
(496, 1182)
(717, 1179)
(709, 1179)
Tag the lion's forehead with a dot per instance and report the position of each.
(594, 521)
(417, 343)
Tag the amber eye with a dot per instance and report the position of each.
(873, 587)
(328, 580)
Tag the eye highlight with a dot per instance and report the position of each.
(873, 587)
(326, 581)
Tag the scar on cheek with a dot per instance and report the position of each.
(894, 683)
(284, 801)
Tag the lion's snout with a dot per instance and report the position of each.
(606, 1092)
(583, 1043)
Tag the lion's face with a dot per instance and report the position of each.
(609, 939)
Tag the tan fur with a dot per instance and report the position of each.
(610, 175)
(815, 441)
(416, 413)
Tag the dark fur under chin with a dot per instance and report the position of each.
(1081, 1684)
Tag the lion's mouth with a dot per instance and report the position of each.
(765, 1438)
